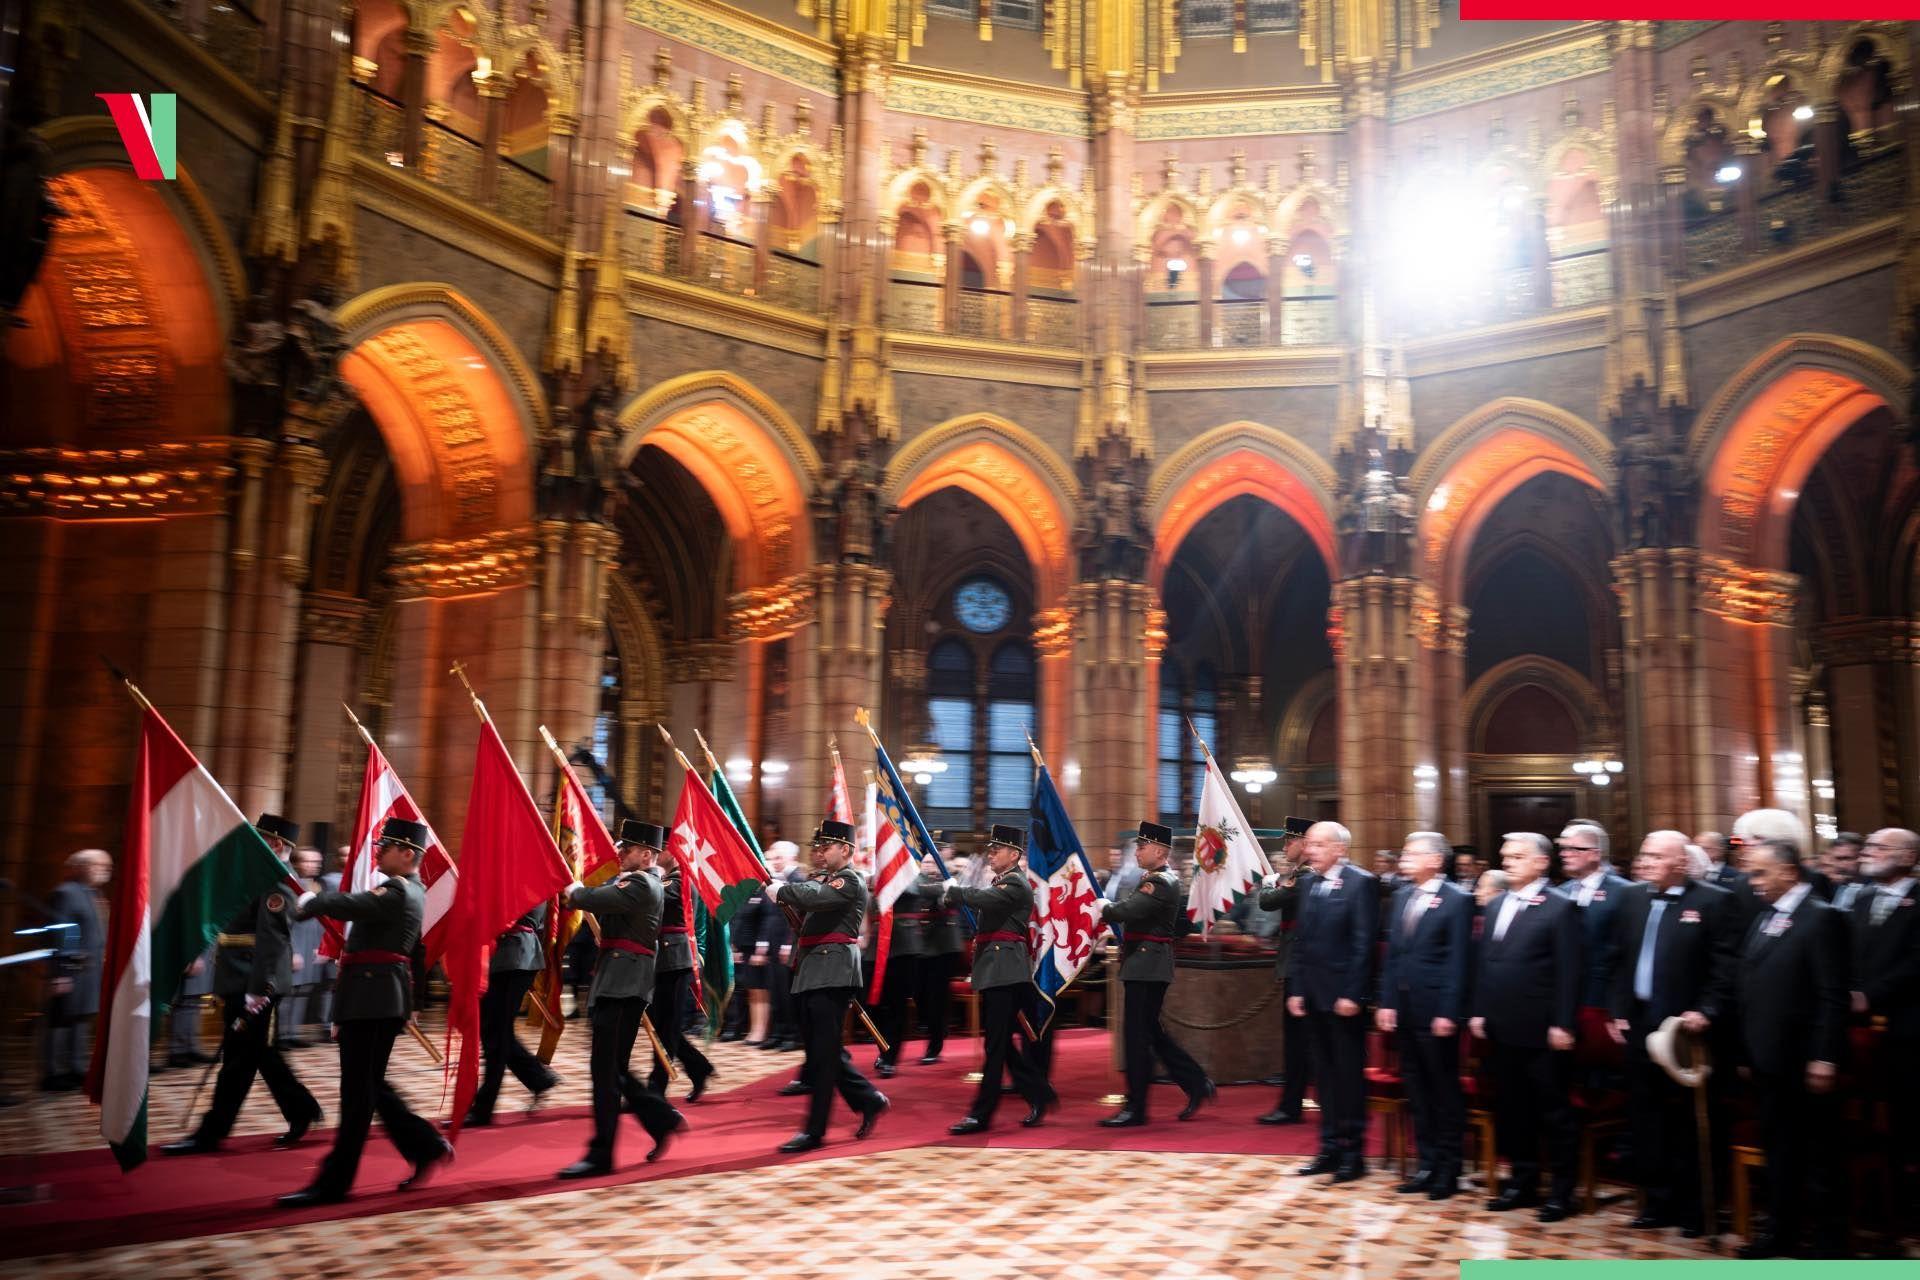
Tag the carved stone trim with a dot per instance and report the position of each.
(692, 661)
(326, 617)
(452, 567)
(176, 478)
(1737, 593)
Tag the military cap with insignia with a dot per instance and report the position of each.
(272, 824)
(1012, 837)
(650, 834)
(405, 831)
(831, 832)
(1155, 833)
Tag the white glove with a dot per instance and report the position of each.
(305, 898)
(575, 887)
(256, 1003)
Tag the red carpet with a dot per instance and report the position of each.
(94, 1205)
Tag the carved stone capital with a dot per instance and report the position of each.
(698, 661)
(1760, 597)
(327, 617)
(463, 566)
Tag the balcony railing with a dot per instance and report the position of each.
(1173, 326)
(237, 41)
(1309, 321)
(1240, 323)
(913, 306)
(523, 197)
(1795, 212)
(449, 159)
(983, 314)
(793, 282)
(380, 124)
(652, 245)
(1053, 322)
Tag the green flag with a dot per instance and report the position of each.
(716, 948)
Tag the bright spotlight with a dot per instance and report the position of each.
(980, 226)
(1727, 173)
(1803, 112)
(1176, 264)
(1241, 235)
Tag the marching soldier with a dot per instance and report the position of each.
(673, 973)
(826, 974)
(253, 970)
(940, 955)
(371, 1005)
(1150, 914)
(1002, 977)
(518, 959)
(904, 947)
(628, 908)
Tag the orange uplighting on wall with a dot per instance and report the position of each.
(750, 481)
(1017, 495)
(1475, 485)
(1243, 471)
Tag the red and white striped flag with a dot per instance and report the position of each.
(383, 796)
(840, 809)
(893, 874)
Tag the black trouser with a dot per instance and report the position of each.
(1666, 1160)
(1298, 1064)
(669, 995)
(1430, 1065)
(936, 990)
(1340, 1059)
(1530, 1100)
(616, 1024)
(999, 1010)
(499, 1011)
(244, 1053)
(67, 1049)
(890, 1015)
(1802, 1139)
(1145, 1038)
(365, 1046)
(823, 1013)
(1039, 1046)
(783, 1006)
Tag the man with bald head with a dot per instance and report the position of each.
(1886, 984)
(1677, 941)
(1330, 978)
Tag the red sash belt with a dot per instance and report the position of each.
(627, 945)
(673, 928)
(522, 928)
(374, 957)
(822, 939)
(910, 915)
(1148, 937)
(1001, 935)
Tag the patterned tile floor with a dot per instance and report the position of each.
(924, 1213)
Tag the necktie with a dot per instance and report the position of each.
(1412, 916)
(1322, 889)
(1649, 942)
(1884, 901)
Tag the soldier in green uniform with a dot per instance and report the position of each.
(628, 909)
(372, 1002)
(826, 974)
(904, 944)
(1150, 914)
(940, 953)
(673, 973)
(1002, 978)
(252, 972)
(518, 958)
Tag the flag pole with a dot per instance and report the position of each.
(1230, 797)
(364, 735)
(560, 757)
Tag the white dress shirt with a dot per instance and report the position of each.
(1510, 907)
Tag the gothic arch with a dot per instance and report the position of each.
(1235, 459)
(636, 637)
(1571, 688)
(1009, 469)
(458, 406)
(1760, 436)
(1297, 721)
(1473, 465)
(750, 457)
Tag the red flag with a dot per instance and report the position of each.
(508, 863)
(894, 874)
(714, 859)
(840, 809)
(383, 796)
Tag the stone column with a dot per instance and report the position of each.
(1203, 277)
(1666, 784)
(493, 96)
(1053, 648)
(1380, 682)
(692, 218)
(413, 94)
(1746, 194)
(1022, 264)
(1863, 661)
(838, 664)
(762, 208)
(1743, 670)
(1277, 252)
(701, 696)
(562, 134)
(1443, 639)
(950, 280)
(1118, 635)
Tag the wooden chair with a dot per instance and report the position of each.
(1387, 1096)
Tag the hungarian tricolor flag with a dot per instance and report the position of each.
(508, 862)
(191, 861)
(1227, 860)
(588, 849)
(715, 860)
(383, 796)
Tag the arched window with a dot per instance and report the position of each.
(606, 731)
(1183, 767)
(950, 728)
(1009, 722)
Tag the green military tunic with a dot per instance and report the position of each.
(521, 949)
(253, 955)
(942, 933)
(628, 908)
(676, 944)
(1284, 898)
(909, 937)
(1003, 907)
(385, 918)
(1151, 916)
(833, 903)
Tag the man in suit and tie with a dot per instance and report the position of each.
(1330, 970)
(1886, 984)
(1597, 890)
(1841, 863)
(1678, 944)
(1793, 999)
(1525, 1004)
(1423, 998)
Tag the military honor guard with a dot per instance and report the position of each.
(1330, 978)
(904, 944)
(673, 975)
(1423, 1004)
(253, 972)
(518, 958)
(1677, 938)
(1002, 978)
(826, 977)
(940, 950)
(371, 1006)
(628, 908)
(1150, 914)
(1526, 1004)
